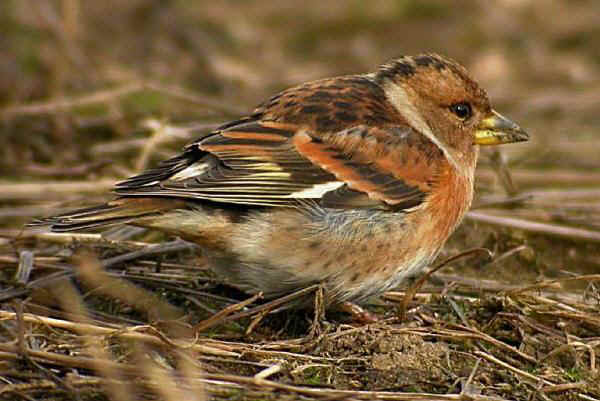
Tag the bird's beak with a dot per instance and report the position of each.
(497, 129)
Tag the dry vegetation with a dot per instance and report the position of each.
(91, 92)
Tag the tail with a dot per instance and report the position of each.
(119, 211)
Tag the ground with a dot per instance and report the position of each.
(92, 92)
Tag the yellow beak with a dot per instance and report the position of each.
(497, 129)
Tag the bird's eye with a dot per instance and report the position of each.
(462, 110)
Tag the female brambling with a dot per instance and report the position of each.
(354, 182)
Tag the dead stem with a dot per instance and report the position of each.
(220, 316)
(135, 333)
(45, 190)
(555, 230)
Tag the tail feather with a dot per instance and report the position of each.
(119, 211)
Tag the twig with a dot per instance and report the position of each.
(220, 316)
(270, 371)
(332, 393)
(25, 267)
(167, 247)
(158, 132)
(108, 95)
(557, 388)
(272, 304)
(70, 238)
(75, 171)
(66, 104)
(538, 178)
(518, 371)
(575, 234)
(52, 189)
(553, 283)
(175, 133)
(196, 98)
(224, 379)
(128, 333)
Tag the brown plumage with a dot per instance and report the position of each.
(355, 182)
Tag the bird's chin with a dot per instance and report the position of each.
(467, 160)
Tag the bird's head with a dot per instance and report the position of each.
(438, 98)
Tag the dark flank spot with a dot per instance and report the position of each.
(364, 248)
(342, 105)
(346, 117)
(326, 122)
(380, 246)
(291, 103)
(355, 277)
(320, 96)
(313, 108)
(314, 244)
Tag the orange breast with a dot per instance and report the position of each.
(449, 202)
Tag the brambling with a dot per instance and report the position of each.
(354, 182)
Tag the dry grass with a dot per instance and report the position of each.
(479, 340)
(89, 96)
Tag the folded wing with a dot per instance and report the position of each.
(270, 163)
